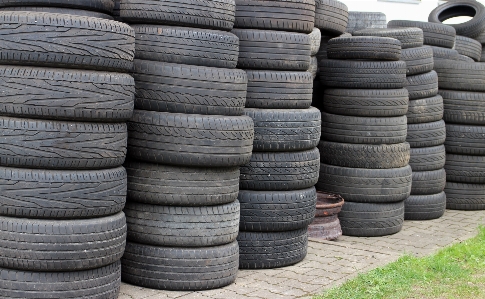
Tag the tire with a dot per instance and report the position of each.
(270, 211)
(409, 37)
(317, 97)
(371, 219)
(207, 140)
(267, 250)
(286, 15)
(64, 94)
(465, 58)
(103, 283)
(159, 184)
(362, 20)
(62, 245)
(180, 269)
(285, 130)
(178, 88)
(425, 110)
(468, 47)
(45, 144)
(428, 158)
(445, 53)
(461, 107)
(457, 8)
(461, 196)
(61, 194)
(315, 41)
(465, 140)
(366, 185)
(428, 182)
(362, 74)
(261, 49)
(313, 69)
(105, 6)
(281, 171)
(425, 207)
(465, 169)
(219, 14)
(182, 226)
(116, 11)
(322, 51)
(426, 134)
(366, 102)
(364, 48)
(279, 90)
(331, 16)
(482, 58)
(458, 75)
(183, 45)
(59, 40)
(418, 60)
(438, 35)
(59, 10)
(364, 130)
(379, 156)
(422, 85)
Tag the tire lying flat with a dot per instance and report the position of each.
(95, 5)
(439, 35)
(425, 207)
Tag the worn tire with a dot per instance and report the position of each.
(331, 16)
(425, 207)
(409, 37)
(364, 48)
(359, 20)
(428, 158)
(425, 110)
(422, 85)
(465, 58)
(439, 35)
(418, 60)
(462, 107)
(315, 40)
(465, 140)
(207, 140)
(428, 182)
(313, 69)
(426, 134)
(468, 47)
(465, 169)
(445, 53)
(59, 10)
(458, 8)
(94, 5)
(458, 75)
(462, 196)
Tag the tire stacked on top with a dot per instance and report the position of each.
(277, 196)
(187, 139)
(359, 20)
(64, 105)
(363, 149)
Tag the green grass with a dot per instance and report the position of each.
(454, 272)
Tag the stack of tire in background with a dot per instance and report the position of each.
(277, 196)
(64, 105)
(187, 139)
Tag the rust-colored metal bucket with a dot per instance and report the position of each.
(326, 225)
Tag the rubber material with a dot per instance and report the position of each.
(465, 140)
(359, 20)
(95, 5)
(313, 69)
(458, 8)
(66, 11)
(364, 48)
(418, 60)
(426, 134)
(422, 85)
(315, 39)
(458, 75)
(425, 110)
(425, 207)
(465, 169)
(461, 196)
(331, 16)
(463, 107)
(439, 35)
(409, 37)
(428, 158)
(445, 53)
(428, 182)
(468, 47)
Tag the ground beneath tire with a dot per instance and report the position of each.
(329, 264)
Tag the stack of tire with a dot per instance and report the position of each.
(187, 139)
(363, 150)
(359, 20)
(277, 196)
(64, 105)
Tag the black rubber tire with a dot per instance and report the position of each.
(61, 194)
(69, 41)
(422, 85)
(66, 11)
(178, 88)
(468, 47)
(331, 16)
(180, 269)
(45, 144)
(428, 182)
(285, 130)
(159, 184)
(185, 45)
(366, 185)
(317, 97)
(103, 283)
(426, 134)
(459, 75)
(359, 20)
(371, 219)
(262, 49)
(207, 140)
(366, 102)
(267, 250)
(445, 53)
(315, 40)
(64, 94)
(61, 245)
(428, 158)
(461, 196)
(425, 110)
(285, 15)
(95, 5)
(271, 211)
(465, 140)
(116, 11)
(425, 207)
(362, 74)
(465, 169)
(313, 69)
(463, 107)
(459, 8)
(409, 37)
(182, 226)
(281, 171)
(466, 58)
(439, 35)
(326, 37)
(218, 14)
(418, 60)
(367, 130)
(370, 156)
(279, 90)
(364, 48)
(482, 57)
